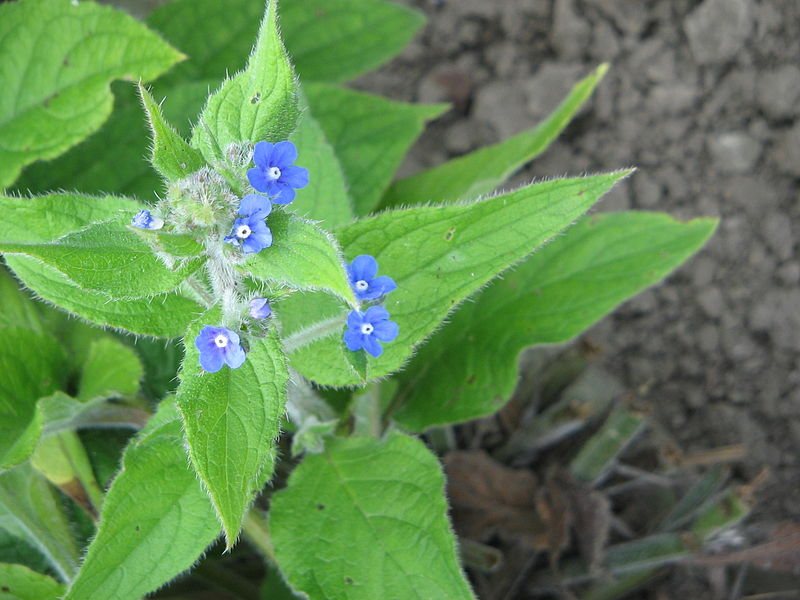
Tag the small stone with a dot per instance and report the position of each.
(777, 314)
(711, 302)
(672, 98)
(708, 338)
(458, 138)
(548, 87)
(502, 104)
(646, 191)
(734, 152)
(787, 151)
(718, 29)
(777, 231)
(779, 91)
(789, 274)
(604, 42)
(571, 34)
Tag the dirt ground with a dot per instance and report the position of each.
(704, 97)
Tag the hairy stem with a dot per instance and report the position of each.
(311, 334)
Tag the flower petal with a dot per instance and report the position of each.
(211, 361)
(234, 356)
(252, 245)
(363, 267)
(375, 314)
(353, 340)
(263, 234)
(382, 284)
(296, 177)
(253, 204)
(205, 339)
(262, 155)
(283, 155)
(258, 180)
(354, 320)
(260, 308)
(282, 193)
(372, 345)
(385, 331)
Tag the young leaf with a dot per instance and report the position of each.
(111, 369)
(337, 40)
(370, 135)
(383, 501)
(325, 198)
(232, 419)
(259, 103)
(469, 368)
(30, 511)
(33, 366)
(302, 256)
(480, 172)
(440, 255)
(156, 518)
(58, 61)
(164, 316)
(20, 583)
(172, 156)
(107, 258)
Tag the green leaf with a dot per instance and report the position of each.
(18, 551)
(302, 256)
(469, 368)
(337, 40)
(114, 159)
(164, 316)
(381, 500)
(107, 258)
(19, 310)
(325, 198)
(20, 583)
(480, 172)
(58, 61)
(232, 419)
(259, 103)
(172, 156)
(33, 366)
(439, 256)
(370, 134)
(111, 369)
(61, 412)
(156, 518)
(30, 510)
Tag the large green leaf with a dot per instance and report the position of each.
(382, 501)
(232, 418)
(33, 365)
(107, 258)
(165, 316)
(19, 309)
(302, 256)
(480, 172)
(439, 255)
(259, 103)
(370, 134)
(325, 198)
(114, 160)
(58, 59)
(469, 368)
(110, 369)
(30, 510)
(336, 40)
(20, 583)
(156, 518)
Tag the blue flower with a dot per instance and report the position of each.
(362, 273)
(144, 220)
(274, 173)
(250, 231)
(218, 345)
(365, 329)
(259, 308)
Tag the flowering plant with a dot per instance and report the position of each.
(316, 300)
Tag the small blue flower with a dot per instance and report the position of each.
(250, 231)
(144, 220)
(362, 273)
(365, 329)
(218, 345)
(254, 204)
(274, 173)
(259, 308)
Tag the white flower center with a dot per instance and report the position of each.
(243, 231)
(367, 328)
(274, 173)
(361, 285)
(221, 341)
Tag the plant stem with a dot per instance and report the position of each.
(201, 291)
(317, 331)
(256, 531)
